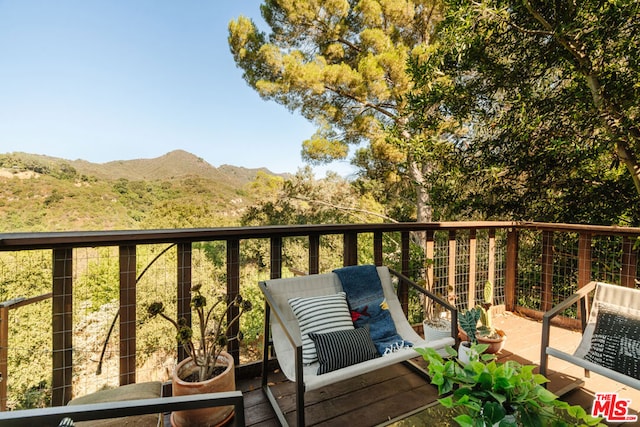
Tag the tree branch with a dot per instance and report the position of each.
(364, 104)
(343, 208)
(348, 43)
(574, 48)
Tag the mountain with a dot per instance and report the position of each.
(176, 190)
(175, 164)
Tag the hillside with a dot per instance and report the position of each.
(178, 189)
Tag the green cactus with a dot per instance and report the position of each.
(488, 293)
(485, 307)
(485, 318)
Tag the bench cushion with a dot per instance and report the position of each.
(145, 390)
(325, 313)
(340, 349)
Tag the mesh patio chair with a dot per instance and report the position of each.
(282, 326)
(610, 344)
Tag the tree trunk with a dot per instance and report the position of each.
(424, 213)
(614, 123)
(423, 200)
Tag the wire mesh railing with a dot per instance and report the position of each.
(454, 259)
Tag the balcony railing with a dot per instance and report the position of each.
(532, 266)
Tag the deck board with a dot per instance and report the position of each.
(377, 397)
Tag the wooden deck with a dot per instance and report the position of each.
(379, 397)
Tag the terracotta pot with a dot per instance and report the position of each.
(206, 417)
(495, 345)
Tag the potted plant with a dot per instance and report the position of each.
(436, 324)
(486, 333)
(468, 323)
(484, 392)
(209, 368)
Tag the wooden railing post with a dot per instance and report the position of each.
(127, 315)
(403, 288)
(62, 324)
(430, 261)
(584, 259)
(184, 289)
(275, 257)
(350, 256)
(473, 258)
(4, 355)
(511, 273)
(233, 289)
(451, 277)
(428, 304)
(629, 263)
(314, 254)
(491, 261)
(378, 258)
(547, 271)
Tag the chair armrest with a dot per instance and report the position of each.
(579, 295)
(296, 342)
(569, 301)
(96, 411)
(431, 295)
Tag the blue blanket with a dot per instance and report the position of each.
(368, 306)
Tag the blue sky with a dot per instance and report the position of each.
(104, 80)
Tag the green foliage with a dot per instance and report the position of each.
(29, 344)
(468, 321)
(508, 393)
(303, 199)
(342, 65)
(547, 98)
(99, 285)
(212, 336)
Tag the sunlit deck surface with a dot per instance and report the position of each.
(389, 394)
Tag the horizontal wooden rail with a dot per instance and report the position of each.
(78, 239)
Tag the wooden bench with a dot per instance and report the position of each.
(282, 331)
(98, 411)
(610, 344)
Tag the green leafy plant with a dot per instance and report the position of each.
(486, 393)
(468, 321)
(214, 330)
(478, 320)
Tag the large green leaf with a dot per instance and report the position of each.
(493, 412)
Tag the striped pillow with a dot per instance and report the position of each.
(325, 313)
(340, 349)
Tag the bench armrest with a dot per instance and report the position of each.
(452, 309)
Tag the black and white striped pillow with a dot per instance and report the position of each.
(325, 313)
(340, 349)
